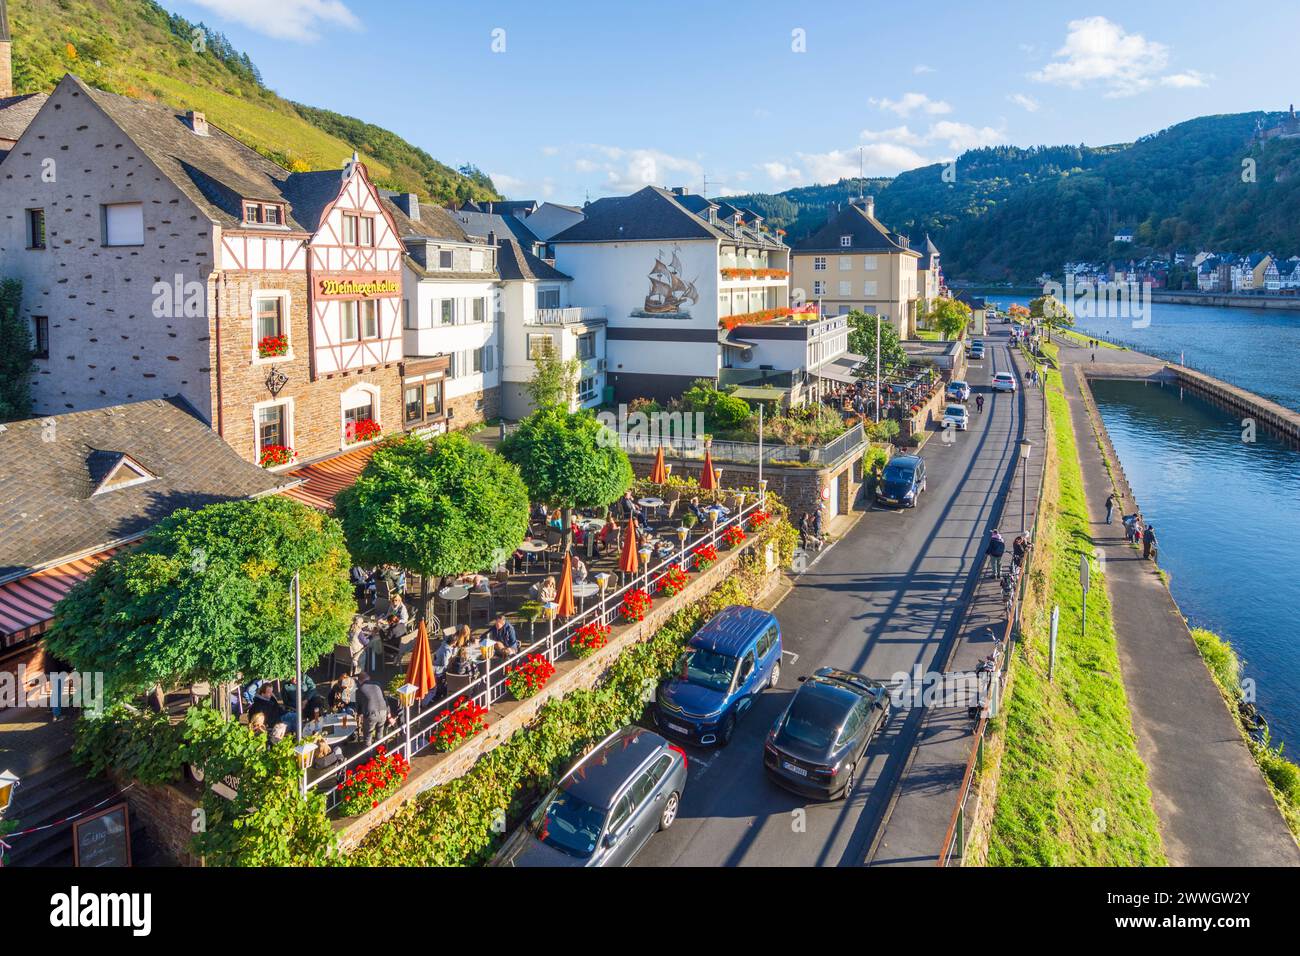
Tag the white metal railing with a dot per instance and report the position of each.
(490, 687)
(569, 315)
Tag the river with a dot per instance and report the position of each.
(1256, 349)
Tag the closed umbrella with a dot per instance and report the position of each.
(420, 671)
(708, 478)
(627, 560)
(659, 473)
(564, 599)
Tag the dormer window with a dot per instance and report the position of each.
(846, 241)
(117, 470)
(263, 214)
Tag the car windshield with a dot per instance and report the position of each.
(898, 473)
(707, 668)
(957, 411)
(568, 823)
(812, 721)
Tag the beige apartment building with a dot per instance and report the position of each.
(855, 262)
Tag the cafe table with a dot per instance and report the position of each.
(584, 591)
(332, 729)
(534, 546)
(452, 594)
(650, 503)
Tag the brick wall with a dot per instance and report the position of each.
(167, 813)
(463, 411)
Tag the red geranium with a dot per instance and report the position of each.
(273, 345)
(733, 535)
(364, 786)
(705, 555)
(273, 455)
(757, 518)
(458, 723)
(635, 603)
(526, 679)
(672, 581)
(589, 638)
(363, 430)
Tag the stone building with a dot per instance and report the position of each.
(161, 257)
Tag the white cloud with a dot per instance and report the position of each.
(959, 137)
(550, 150)
(898, 134)
(899, 148)
(781, 174)
(1100, 52)
(909, 103)
(625, 170)
(285, 19)
(1027, 103)
(510, 185)
(922, 68)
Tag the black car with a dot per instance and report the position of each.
(816, 745)
(902, 482)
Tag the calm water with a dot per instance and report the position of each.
(1228, 518)
(1256, 349)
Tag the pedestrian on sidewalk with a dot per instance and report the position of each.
(1128, 526)
(1019, 548)
(996, 548)
(979, 403)
(1110, 506)
(1149, 542)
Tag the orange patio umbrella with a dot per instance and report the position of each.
(659, 474)
(708, 477)
(420, 672)
(564, 597)
(627, 560)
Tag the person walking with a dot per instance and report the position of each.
(372, 708)
(996, 548)
(805, 528)
(1110, 507)
(979, 403)
(817, 528)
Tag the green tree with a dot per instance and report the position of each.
(950, 317)
(862, 340)
(206, 597)
(554, 381)
(721, 411)
(568, 459)
(1051, 312)
(16, 355)
(442, 507)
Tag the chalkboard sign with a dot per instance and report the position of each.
(103, 839)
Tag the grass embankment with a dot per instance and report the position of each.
(1281, 775)
(1072, 789)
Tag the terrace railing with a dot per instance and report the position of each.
(490, 687)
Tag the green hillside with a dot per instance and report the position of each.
(1013, 213)
(137, 48)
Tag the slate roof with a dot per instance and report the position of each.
(435, 222)
(649, 213)
(481, 223)
(516, 262)
(499, 207)
(869, 235)
(17, 111)
(49, 513)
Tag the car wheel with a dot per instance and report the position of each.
(776, 675)
(727, 730)
(848, 782)
(670, 810)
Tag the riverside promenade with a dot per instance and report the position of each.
(1211, 799)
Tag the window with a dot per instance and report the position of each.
(349, 229)
(480, 310)
(272, 427)
(367, 230)
(413, 403)
(406, 315)
(642, 788)
(353, 416)
(475, 261)
(264, 214)
(36, 229)
(766, 641)
(846, 241)
(41, 335)
(587, 345)
(489, 358)
(348, 320)
(540, 343)
(124, 224)
(869, 287)
(622, 810)
(548, 298)
(819, 287)
(869, 263)
(846, 289)
(433, 399)
(447, 311)
(444, 259)
(587, 389)
(369, 319)
(273, 215)
(846, 263)
(268, 319)
(819, 263)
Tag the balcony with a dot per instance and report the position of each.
(574, 315)
(752, 274)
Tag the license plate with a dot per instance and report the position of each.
(793, 769)
(679, 728)
(890, 501)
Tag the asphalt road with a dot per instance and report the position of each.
(881, 601)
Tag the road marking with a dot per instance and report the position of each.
(794, 658)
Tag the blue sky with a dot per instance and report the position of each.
(573, 99)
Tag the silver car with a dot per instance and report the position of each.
(606, 807)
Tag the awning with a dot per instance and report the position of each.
(760, 393)
(27, 605)
(836, 373)
(853, 358)
(322, 480)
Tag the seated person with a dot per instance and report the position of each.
(608, 535)
(579, 535)
(502, 635)
(579, 570)
(265, 704)
(326, 756)
(545, 590)
(339, 703)
(693, 506)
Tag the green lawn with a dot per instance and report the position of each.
(1072, 790)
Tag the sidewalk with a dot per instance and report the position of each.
(1213, 805)
(925, 797)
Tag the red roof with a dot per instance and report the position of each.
(322, 480)
(27, 605)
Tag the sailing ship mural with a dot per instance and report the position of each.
(669, 292)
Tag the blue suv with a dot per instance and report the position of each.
(728, 662)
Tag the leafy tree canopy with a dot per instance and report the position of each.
(443, 507)
(862, 339)
(1051, 310)
(554, 381)
(949, 316)
(568, 458)
(15, 355)
(206, 597)
(721, 411)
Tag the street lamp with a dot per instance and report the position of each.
(644, 553)
(8, 787)
(602, 582)
(1025, 447)
(306, 753)
(683, 533)
(406, 697)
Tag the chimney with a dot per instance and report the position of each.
(679, 191)
(409, 203)
(869, 205)
(6, 62)
(492, 237)
(197, 122)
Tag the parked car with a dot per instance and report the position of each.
(977, 350)
(956, 416)
(902, 481)
(606, 807)
(958, 390)
(726, 665)
(815, 747)
(1004, 382)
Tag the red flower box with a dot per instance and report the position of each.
(705, 555)
(758, 519)
(363, 430)
(733, 535)
(457, 724)
(273, 455)
(364, 786)
(635, 603)
(589, 638)
(672, 581)
(273, 345)
(526, 679)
